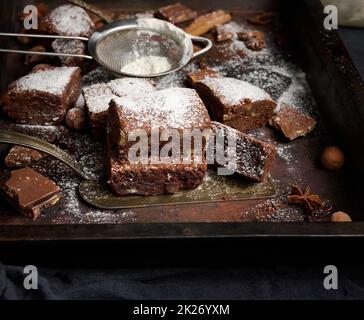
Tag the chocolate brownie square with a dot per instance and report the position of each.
(174, 108)
(125, 178)
(43, 96)
(250, 157)
(236, 103)
(67, 20)
(98, 96)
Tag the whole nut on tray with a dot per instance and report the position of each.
(24, 40)
(332, 158)
(35, 58)
(75, 119)
(340, 217)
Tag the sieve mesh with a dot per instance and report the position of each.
(117, 49)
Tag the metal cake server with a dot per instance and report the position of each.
(95, 192)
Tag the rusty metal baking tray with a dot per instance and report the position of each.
(309, 61)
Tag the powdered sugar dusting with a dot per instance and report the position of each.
(168, 108)
(233, 91)
(53, 81)
(69, 20)
(98, 96)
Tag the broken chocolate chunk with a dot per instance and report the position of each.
(292, 123)
(19, 156)
(200, 75)
(29, 192)
(176, 13)
(222, 34)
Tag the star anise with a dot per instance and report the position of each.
(254, 40)
(304, 198)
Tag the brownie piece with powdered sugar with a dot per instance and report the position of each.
(236, 103)
(43, 96)
(98, 96)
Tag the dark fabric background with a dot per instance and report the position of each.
(260, 282)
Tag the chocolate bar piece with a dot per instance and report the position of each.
(29, 192)
(206, 22)
(176, 13)
(252, 157)
(19, 156)
(292, 123)
(199, 75)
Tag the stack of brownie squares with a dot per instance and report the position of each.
(168, 109)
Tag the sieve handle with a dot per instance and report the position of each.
(45, 37)
(205, 41)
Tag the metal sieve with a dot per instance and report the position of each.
(119, 43)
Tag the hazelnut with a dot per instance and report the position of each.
(332, 158)
(75, 119)
(340, 217)
(24, 40)
(34, 58)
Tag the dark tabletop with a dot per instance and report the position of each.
(266, 280)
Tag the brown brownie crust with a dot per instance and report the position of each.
(43, 96)
(125, 178)
(236, 103)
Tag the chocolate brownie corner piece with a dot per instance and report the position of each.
(176, 13)
(236, 103)
(126, 178)
(29, 192)
(67, 20)
(292, 123)
(253, 156)
(98, 96)
(43, 96)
